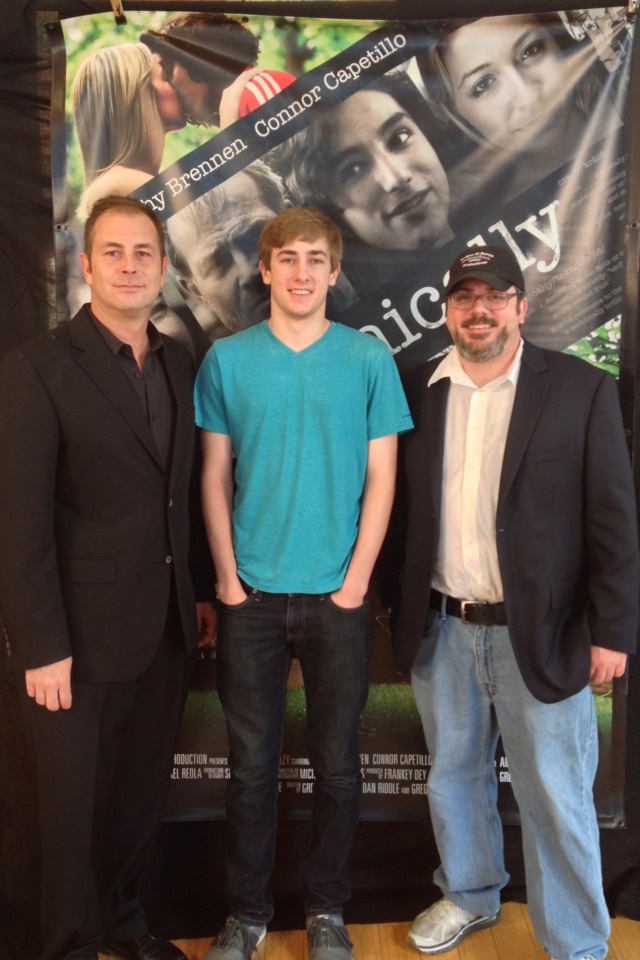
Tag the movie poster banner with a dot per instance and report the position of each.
(419, 138)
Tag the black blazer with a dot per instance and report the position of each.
(93, 529)
(565, 524)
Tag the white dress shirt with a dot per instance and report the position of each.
(477, 421)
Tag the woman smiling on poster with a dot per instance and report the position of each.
(369, 164)
(123, 107)
(522, 90)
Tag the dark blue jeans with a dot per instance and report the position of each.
(256, 640)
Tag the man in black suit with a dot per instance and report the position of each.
(519, 586)
(97, 434)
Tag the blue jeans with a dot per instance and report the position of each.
(469, 690)
(256, 640)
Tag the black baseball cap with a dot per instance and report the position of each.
(495, 265)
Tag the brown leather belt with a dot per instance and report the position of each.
(478, 612)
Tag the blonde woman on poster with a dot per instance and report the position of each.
(122, 108)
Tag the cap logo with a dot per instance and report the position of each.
(479, 259)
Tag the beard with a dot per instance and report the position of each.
(212, 119)
(480, 351)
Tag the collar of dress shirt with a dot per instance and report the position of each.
(451, 367)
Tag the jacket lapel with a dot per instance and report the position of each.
(434, 413)
(425, 444)
(99, 364)
(179, 371)
(531, 392)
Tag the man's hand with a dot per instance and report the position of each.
(207, 623)
(231, 593)
(348, 599)
(606, 664)
(50, 686)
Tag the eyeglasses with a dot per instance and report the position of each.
(464, 300)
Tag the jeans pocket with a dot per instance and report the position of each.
(234, 606)
(347, 610)
(251, 597)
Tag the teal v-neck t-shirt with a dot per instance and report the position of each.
(299, 424)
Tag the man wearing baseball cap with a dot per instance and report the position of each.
(519, 587)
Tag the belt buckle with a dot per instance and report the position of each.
(463, 608)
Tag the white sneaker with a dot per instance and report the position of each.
(442, 925)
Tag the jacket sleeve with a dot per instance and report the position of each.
(200, 562)
(610, 526)
(30, 595)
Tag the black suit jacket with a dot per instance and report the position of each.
(93, 529)
(565, 524)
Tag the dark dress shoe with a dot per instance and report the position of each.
(146, 947)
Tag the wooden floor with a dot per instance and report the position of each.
(511, 939)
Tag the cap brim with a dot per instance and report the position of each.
(498, 283)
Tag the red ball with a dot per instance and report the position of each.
(262, 87)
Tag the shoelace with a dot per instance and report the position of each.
(442, 909)
(235, 929)
(326, 933)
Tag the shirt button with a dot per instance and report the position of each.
(170, 503)
(168, 559)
